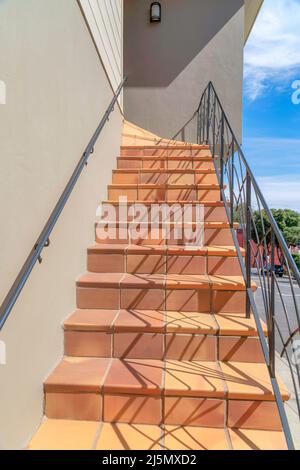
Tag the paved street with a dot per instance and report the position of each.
(281, 364)
(289, 307)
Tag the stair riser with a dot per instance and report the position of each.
(217, 237)
(185, 300)
(165, 152)
(156, 164)
(157, 178)
(154, 410)
(160, 264)
(182, 347)
(158, 195)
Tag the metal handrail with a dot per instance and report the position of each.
(43, 240)
(213, 128)
(274, 224)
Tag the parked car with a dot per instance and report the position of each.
(279, 269)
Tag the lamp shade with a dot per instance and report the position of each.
(155, 12)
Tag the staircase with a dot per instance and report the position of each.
(159, 353)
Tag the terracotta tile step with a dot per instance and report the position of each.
(210, 251)
(166, 225)
(158, 321)
(152, 186)
(170, 158)
(169, 163)
(164, 259)
(171, 177)
(131, 202)
(166, 150)
(80, 435)
(169, 281)
(193, 235)
(163, 171)
(167, 172)
(172, 145)
(141, 334)
(214, 211)
(236, 381)
(153, 391)
(156, 192)
(187, 293)
(159, 335)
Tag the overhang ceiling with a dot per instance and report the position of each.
(252, 8)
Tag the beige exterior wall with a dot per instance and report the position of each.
(169, 64)
(252, 8)
(105, 20)
(57, 91)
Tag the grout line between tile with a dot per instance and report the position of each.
(98, 435)
(228, 438)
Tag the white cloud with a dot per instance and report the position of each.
(272, 54)
(281, 192)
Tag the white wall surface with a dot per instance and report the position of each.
(56, 93)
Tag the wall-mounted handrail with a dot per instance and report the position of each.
(44, 238)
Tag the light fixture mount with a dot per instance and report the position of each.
(155, 12)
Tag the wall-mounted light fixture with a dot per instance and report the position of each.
(155, 12)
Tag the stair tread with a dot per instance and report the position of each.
(156, 321)
(144, 320)
(207, 225)
(81, 435)
(56, 434)
(91, 320)
(164, 249)
(169, 202)
(162, 186)
(75, 374)
(169, 281)
(166, 158)
(246, 381)
(169, 146)
(162, 171)
(141, 377)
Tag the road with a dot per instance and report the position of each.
(283, 319)
(282, 305)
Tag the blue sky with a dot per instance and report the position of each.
(271, 119)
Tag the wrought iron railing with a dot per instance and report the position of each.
(43, 240)
(267, 256)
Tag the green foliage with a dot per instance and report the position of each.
(297, 260)
(287, 220)
(240, 213)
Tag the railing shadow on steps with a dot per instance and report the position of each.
(43, 240)
(277, 301)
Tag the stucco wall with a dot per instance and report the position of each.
(57, 92)
(169, 64)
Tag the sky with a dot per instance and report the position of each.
(272, 102)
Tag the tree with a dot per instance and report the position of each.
(297, 260)
(288, 221)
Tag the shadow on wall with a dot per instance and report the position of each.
(155, 54)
